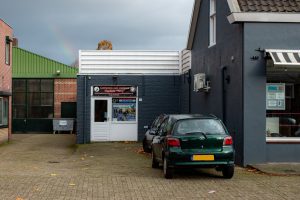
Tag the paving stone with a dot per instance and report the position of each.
(117, 171)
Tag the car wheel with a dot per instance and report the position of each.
(168, 172)
(145, 148)
(228, 171)
(155, 164)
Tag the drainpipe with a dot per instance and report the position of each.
(190, 93)
(84, 111)
(225, 80)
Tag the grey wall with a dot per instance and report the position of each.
(160, 94)
(282, 153)
(264, 36)
(227, 52)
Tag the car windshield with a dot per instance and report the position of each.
(198, 126)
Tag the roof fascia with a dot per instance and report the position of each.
(234, 6)
(6, 23)
(264, 17)
(193, 24)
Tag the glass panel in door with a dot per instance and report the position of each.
(100, 112)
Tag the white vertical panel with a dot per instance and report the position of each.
(186, 61)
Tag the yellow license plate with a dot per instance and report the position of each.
(203, 157)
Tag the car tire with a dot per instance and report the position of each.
(228, 171)
(145, 148)
(155, 164)
(168, 172)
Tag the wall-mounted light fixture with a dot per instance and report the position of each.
(254, 58)
(57, 72)
(115, 79)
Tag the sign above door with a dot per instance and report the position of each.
(115, 90)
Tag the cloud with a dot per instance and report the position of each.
(59, 28)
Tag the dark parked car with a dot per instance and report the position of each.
(151, 132)
(193, 141)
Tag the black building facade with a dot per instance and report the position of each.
(156, 95)
(237, 67)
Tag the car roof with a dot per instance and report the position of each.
(191, 116)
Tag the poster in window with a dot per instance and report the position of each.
(124, 109)
(275, 96)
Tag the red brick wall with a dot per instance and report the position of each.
(65, 90)
(5, 70)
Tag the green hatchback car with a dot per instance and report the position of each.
(193, 141)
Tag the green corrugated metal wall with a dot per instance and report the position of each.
(30, 65)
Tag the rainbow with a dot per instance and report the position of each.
(66, 46)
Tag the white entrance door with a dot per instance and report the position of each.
(101, 119)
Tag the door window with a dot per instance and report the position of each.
(100, 112)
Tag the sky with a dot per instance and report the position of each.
(58, 29)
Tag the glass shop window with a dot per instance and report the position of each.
(40, 98)
(283, 106)
(19, 98)
(33, 98)
(124, 109)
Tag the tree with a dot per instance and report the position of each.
(104, 45)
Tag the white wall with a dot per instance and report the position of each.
(131, 62)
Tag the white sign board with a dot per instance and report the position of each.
(63, 123)
(275, 96)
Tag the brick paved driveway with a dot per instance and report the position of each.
(50, 167)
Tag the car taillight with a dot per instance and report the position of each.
(227, 141)
(173, 142)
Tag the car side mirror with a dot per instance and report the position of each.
(147, 127)
(153, 132)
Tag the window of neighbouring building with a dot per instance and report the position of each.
(7, 51)
(3, 111)
(212, 23)
(19, 98)
(33, 98)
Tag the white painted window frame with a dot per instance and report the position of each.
(282, 140)
(212, 23)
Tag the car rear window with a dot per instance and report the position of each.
(206, 126)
